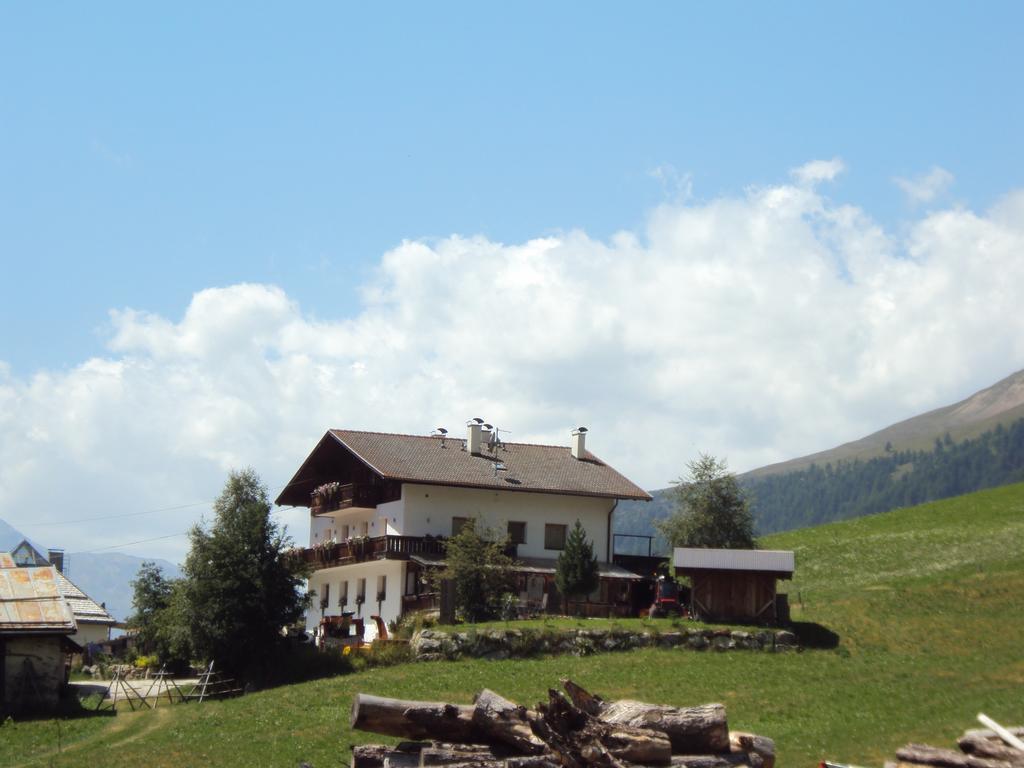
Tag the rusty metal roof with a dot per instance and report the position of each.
(30, 600)
(764, 560)
(436, 461)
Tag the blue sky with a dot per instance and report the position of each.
(147, 154)
(757, 229)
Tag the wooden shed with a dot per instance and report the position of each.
(734, 584)
(35, 624)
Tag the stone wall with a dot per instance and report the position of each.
(432, 645)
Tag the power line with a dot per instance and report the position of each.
(129, 543)
(123, 514)
(160, 538)
(50, 523)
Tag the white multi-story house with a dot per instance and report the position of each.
(382, 505)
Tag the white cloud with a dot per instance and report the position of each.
(927, 186)
(817, 171)
(758, 327)
(676, 186)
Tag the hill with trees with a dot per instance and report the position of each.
(967, 446)
(820, 494)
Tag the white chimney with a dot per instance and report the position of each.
(579, 442)
(473, 438)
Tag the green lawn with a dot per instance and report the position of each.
(926, 602)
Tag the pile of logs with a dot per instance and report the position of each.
(575, 729)
(996, 748)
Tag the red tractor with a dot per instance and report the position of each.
(666, 599)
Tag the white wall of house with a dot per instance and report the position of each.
(346, 524)
(89, 632)
(429, 509)
(345, 580)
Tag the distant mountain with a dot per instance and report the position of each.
(1002, 403)
(11, 537)
(106, 577)
(960, 448)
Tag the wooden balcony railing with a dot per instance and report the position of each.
(346, 496)
(377, 548)
(422, 602)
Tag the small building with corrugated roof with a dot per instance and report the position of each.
(93, 619)
(36, 623)
(735, 584)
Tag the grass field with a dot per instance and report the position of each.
(927, 604)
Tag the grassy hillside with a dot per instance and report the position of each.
(926, 603)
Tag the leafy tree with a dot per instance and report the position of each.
(241, 584)
(576, 572)
(159, 618)
(480, 570)
(151, 594)
(711, 509)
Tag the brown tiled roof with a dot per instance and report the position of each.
(30, 600)
(537, 468)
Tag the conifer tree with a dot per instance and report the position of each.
(576, 573)
(480, 570)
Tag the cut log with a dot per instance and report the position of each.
(691, 730)
(1004, 733)
(374, 755)
(505, 722)
(401, 760)
(730, 760)
(527, 761)
(583, 699)
(452, 754)
(988, 744)
(547, 760)
(922, 754)
(579, 738)
(740, 741)
(415, 719)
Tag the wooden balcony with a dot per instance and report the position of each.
(363, 549)
(346, 496)
(425, 601)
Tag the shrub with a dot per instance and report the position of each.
(387, 653)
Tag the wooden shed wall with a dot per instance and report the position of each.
(46, 655)
(733, 595)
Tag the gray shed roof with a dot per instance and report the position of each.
(763, 560)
